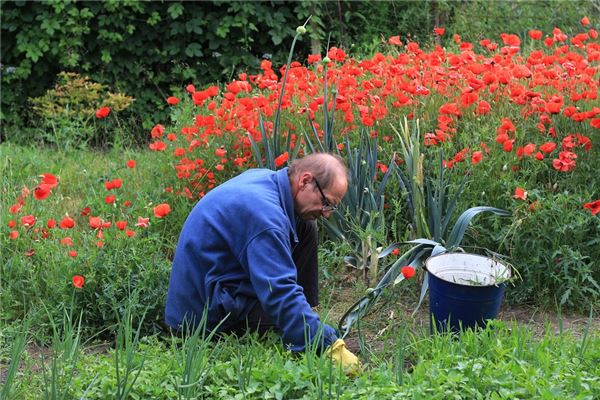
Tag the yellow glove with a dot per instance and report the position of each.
(344, 358)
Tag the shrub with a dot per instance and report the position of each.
(68, 114)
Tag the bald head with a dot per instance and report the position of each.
(325, 167)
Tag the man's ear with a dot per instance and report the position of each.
(305, 178)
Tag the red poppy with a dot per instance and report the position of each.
(95, 222)
(483, 107)
(78, 281)
(439, 31)
(110, 199)
(49, 179)
(395, 40)
(12, 223)
(67, 223)
(510, 39)
(102, 112)
(66, 241)
(520, 194)
(593, 206)
(130, 163)
(220, 152)
(408, 271)
(172, 100)
(476, 157)
(190, 88)
(585, 21)
(72, 253)
(529, 149)
(15, 208)
(281, 159)
(548, 147)
(158, 146)
(13, 235)
(129, 233)
(41, 191)
(143, 222)
(313, 58)
(162, 210)
(565, 161)
(507, 146)
(28, 220)
(114, 184)
(121, 225)
(157, 131)
(51, 223)
(535, 34)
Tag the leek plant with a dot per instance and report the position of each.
(9, 390)
(431, 207)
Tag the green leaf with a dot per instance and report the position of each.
(106, 57)
(175, 10)
(154, 19)
(463, 221)
(194, 50)
(50, 26)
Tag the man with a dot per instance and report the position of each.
(248, 253)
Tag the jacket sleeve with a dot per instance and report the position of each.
(273, 275)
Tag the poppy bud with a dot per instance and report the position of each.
(301, 30)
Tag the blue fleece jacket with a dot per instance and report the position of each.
(235, 249)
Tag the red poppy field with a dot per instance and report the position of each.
(521, 116)
(88, 235)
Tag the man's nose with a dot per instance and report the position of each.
(326, 214)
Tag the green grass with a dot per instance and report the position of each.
(503, 361)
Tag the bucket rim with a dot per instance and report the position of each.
(507, 270)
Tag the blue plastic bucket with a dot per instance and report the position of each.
(465, 290)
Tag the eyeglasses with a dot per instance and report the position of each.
(327, 206)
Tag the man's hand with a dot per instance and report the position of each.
(344, 358)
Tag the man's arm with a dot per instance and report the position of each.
(273, 275)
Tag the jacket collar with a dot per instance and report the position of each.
(285, 195)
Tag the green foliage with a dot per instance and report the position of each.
(43, 279)
(474, 18)
(67, 112)
(554, 243)
(141, 48)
